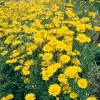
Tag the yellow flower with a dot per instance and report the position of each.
(38, 40)
(54, 89)
(82, 83)
(28, 62)
(70, 13)
(4, 52)
(81, 27)
(75, 61)
(46, 74)
(17, 68)
(15, 54)
(98, 44)
(91, 0)
(10, 96)
(45, 63)
(11, 61)
(56, 21)
(16, 42)
(73, 95)
(21, 61)
(47, 56)
(47, 48)
(65, 58)
(54, 7)
(29, 52)
(34, 47)
(62, 46)
(62, 78)
(30, 96)
(25, 72)
(82, 38)
(92, 14)
(97, 28)
(9, 39)
(72, 71)
(85, 10)
(3, 98)
(91, 98)
(65, 88)
(84, 20)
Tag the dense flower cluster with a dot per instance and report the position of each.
(41, 36)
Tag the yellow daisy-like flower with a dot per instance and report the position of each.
(91, 98)
(30, 96)
(72, 71)
(17, 68)
(92, 14)
(98, 44)
(10, 96)
(65, 58)
(25, 72)
(54, 89)
(47, 56)
(14, 60)
(3, 98)
(16, 42)
(97, 28)
(4, 52)
(82, 38)
(62, 78)
(82, 83)
(73, 95)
